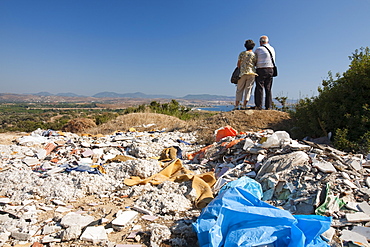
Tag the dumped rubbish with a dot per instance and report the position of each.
(175, 172)
(238, 218)
(158, 188)
(224, 132)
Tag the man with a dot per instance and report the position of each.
(265, 70)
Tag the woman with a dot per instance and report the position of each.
(246, 62)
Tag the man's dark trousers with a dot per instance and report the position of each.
(263, 81)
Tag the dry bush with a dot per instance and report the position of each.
(141, 122)
(78, 125)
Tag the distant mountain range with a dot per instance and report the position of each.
(59, 94)
(109, 96)
(132, 95)
(138, 95)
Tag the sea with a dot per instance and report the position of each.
(222, 108)
(225, 108)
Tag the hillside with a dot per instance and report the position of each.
(242, 121)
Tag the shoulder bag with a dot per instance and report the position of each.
(273, 62)
(235, 76)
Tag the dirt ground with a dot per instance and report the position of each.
(243, 121)
(252, 120)
(9, 137)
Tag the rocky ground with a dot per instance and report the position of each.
(133, 188)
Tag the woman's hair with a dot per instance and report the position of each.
(249, 44)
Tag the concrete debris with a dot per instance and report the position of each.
(325, 167)
(142, 210)
(143, 168)
(71, 233)
(352, 206)
(128, 245)
(362, 230)
(158, 233)
(166, 199)
(149, 217)
(357, 217)
(62, 188)
(123, 219)
(329, 234)
(4, 200)
(95, 234)
(364, 207)
(72, 219)
(354, 237)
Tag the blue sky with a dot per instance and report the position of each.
(173, 47)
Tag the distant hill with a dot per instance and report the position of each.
(69, 95)
(137, 95)
(132, 95)
(43, 94)
(106, 95)
(58, 94)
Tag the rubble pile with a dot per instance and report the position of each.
(61, 189)
(300, 177)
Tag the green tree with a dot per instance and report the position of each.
(342, 106)
(282, 101)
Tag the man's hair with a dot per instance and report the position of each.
(264, 39)
(249, 44)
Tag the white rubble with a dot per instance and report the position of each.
(72, 219)
(30, 172)
(39, 179)
(94, 234)
(123, 219)
(158, 234)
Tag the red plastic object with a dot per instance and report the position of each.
(225, 131)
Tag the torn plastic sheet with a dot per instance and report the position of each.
(175, 171)
(84, 168)
(251, 185)
(331, 204)
(237, 218)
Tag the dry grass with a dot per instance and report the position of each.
(242, 121)
(141, 122)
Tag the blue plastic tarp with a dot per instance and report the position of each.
(251, 185)
(237, 218)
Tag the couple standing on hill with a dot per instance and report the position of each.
(255, 65)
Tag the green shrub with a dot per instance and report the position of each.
(104, 117)
(342, 106)
(173, 108)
